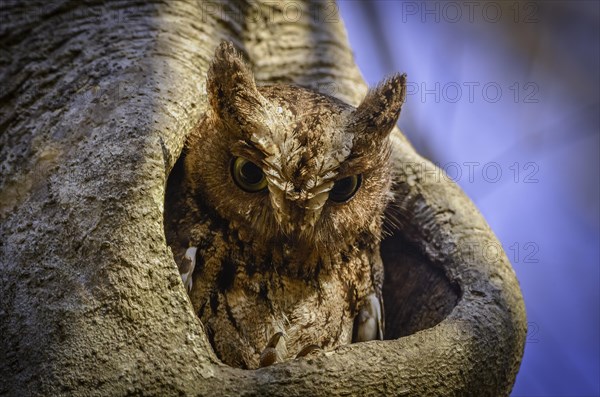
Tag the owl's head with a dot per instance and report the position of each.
(284, 164)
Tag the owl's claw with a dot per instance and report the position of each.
(368, 324)
(307, 350)
(269, 354)
(186, 271)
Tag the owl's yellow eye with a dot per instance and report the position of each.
(247, 175)
(345, 188)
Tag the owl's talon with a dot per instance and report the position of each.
(189, 259)
(368, 324)
(269, 354)
(307, 350)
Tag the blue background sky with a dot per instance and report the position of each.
(505, 97)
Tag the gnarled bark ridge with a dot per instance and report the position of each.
(95, 105)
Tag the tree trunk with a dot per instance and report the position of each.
(96, 102)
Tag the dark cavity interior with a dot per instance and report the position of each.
(417, 295)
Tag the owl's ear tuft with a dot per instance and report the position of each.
(376, 116)
(230, 86)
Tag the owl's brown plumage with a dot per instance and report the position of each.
(283, 193)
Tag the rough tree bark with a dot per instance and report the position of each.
(96, 101)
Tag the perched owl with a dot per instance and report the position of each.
(279, 212)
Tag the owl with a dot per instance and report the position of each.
(279, 215)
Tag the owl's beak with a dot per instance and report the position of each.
(297, 222)
(297, 210)
(296, 219)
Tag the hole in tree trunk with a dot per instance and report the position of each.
(417, 294)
